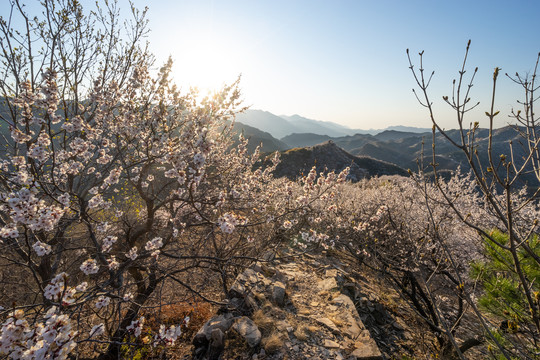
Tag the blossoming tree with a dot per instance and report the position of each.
(116, 190)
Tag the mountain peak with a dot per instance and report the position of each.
(328, 156)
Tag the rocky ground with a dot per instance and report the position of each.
(310, 307)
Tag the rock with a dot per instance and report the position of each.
(290, 329)
(396, 325)
(278, 294)
(328, 324)
(290, 275)
(269, 255)
(331, 344)
(327, 284)
(350, 315)
(242, 306)
(243, 284)
(217, 344)
(331, 273)
(367, 350)
(222, 322)
(257, 267)
(248, 330)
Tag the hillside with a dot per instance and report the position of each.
(256, 137)
(304, 139)
(404, 148)
(329, 156)
(316, 126)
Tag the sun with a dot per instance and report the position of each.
(208, 61)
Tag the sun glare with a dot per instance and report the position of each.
(207, 62)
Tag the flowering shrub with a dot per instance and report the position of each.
(404, 229)
(118, 192)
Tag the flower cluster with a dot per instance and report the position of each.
(89, 267)
(53, 339)
(103, 301)
(227, 222)
(135, 328)
(108, 242)
(41, 248)
(167, 336)
(154, 245)
(27, 209)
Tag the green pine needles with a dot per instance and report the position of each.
(504, 295)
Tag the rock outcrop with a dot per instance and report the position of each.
(288, 310)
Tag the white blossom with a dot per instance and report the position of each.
(89, 267)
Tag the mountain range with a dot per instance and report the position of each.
(281, 126)
(399, 146)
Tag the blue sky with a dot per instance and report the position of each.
(345, 60)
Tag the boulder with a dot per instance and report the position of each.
(243, 284)
(248, 330)
(327, 284)
(222, 322)
(217, 344)
(278, 294)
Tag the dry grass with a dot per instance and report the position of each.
(260, 297)
(236, 346)
(265, 324)
(273, 343)
(301, 333)
(175, 314)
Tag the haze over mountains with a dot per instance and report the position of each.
(280, 126)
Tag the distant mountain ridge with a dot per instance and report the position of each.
(283, 125)
(400, 145)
